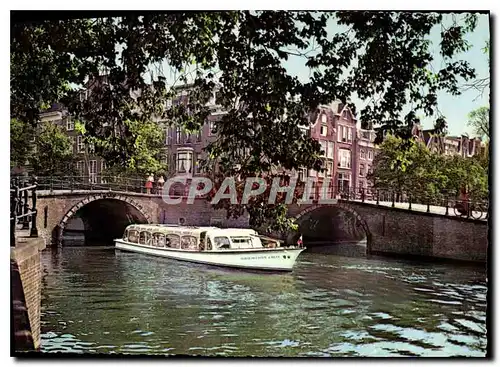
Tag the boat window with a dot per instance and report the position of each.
(188, 242)
(172, 240)
(221, 242)
(209, 244)
(243, 240)
(144, 238)
(133, 236)
(158, 240)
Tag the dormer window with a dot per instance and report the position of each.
(323, 119)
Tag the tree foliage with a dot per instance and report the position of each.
(21, 134)
(382, 57)
(54, 152)
(479, 120)
(425, 174)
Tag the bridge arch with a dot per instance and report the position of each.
(357, 219)
(111, 200)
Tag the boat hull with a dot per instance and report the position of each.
(272, 259)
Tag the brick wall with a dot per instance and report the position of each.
(27, 256)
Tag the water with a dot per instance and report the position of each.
(96, 300)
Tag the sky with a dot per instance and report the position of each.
(454, 108)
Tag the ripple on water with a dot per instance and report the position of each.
(107, 302)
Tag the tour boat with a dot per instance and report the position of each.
(229, 247)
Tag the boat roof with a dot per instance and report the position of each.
(173, 228)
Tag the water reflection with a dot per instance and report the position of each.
(101, 301)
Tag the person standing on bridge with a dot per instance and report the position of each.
(149, 183)
(159, 185)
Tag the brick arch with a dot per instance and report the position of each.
(69, 214)
(340, 205)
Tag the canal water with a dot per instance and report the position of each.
(98, 300)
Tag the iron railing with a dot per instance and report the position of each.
(445, 202)
(23, 192)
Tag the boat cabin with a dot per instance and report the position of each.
(192, 238)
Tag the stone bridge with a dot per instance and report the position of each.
(104, 211)
(426, 232)
(386, 228)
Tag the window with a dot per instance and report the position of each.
(172, 240)
(362, 154)
(344, 134)
(361, 170)
(103, 168)
(324, 130)
(80, 147)
(80, 167)
(369, 169)
(329, 169)
(323, 118)
(178, 134)
(70, 124)
(370, 155)
(344, 158)
(158, 240)
(167, 136)
(189, 242)
(312, 193)
(93, 171)
(184, 162)
(323, 147)
(132, 236)
(198, 136)
(213, 128)
(84, 95)
(322, 173)
(343, 181)
(221, 243)
(329, 152)
(302, 174)
(145, 238)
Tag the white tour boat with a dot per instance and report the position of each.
(231, 247)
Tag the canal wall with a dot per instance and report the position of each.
(26, 284)
(399, 232)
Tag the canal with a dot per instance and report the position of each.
(98, 300)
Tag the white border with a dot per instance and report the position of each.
(256, 4)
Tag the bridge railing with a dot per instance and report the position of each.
(110, 183)
(445, 202)
(23, 212)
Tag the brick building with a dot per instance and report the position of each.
(463, 145)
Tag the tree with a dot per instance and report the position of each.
(148, 142)
(479, 119)
(382, 57)
(426, 175)
(54, 152)
(21, 135)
